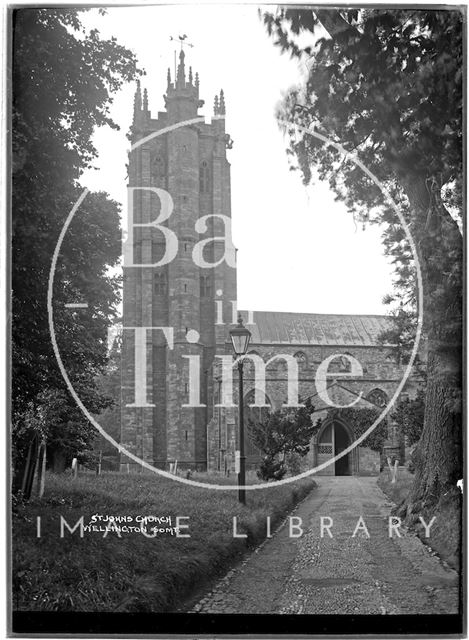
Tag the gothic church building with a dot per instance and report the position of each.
(199, 304)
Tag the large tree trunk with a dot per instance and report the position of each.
(439, 452)
(439, 247)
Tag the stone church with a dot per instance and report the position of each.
(198, 302)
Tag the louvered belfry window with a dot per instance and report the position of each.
(204, 177)
(205, 287)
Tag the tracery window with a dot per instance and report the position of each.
(345, 364)
(300, 356)
(248, 364)
(204, 177)
(257, 414)
(377, 397)
(158, 169)
(254, 414)
(205, 287)
(341, 364)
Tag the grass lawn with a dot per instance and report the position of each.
(399, 490)
(446, 532)
(105, 572)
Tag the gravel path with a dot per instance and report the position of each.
(342, 574)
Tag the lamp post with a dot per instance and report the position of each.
(240, 338)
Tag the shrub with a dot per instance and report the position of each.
(283, 433)
(409, 416)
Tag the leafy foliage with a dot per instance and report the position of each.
(63, 78)
(385, 86)
(359, 420)
(55, 574)
(409, 416)
(109, 385)
(283, 433)
(53, 418)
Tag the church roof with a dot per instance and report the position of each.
(272, 327)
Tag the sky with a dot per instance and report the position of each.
(298, 249)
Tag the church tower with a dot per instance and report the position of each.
(192, 300)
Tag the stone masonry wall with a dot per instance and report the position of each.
(379, 372)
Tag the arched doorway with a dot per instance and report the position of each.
(341, 442)
(333, 439)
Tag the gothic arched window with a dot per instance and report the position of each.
(300, 357)
(341, 364)
(345, 364)
(377, 397)
(254, 415)
(204, 177)
(158, 169)
(205, 287)
(248, 363)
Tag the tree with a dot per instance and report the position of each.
(283, 433)
(409, 415)
(109, 385)
(53, 418)
(63, 78)
(387, 85)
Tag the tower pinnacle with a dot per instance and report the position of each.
(182, 95)
(180, 295)
(222, 103)
(181, 73)
(137, 101)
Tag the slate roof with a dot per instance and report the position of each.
(272, 327)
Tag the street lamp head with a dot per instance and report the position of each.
(240, 338)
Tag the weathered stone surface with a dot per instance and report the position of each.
(180, 295)
(190, 163)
